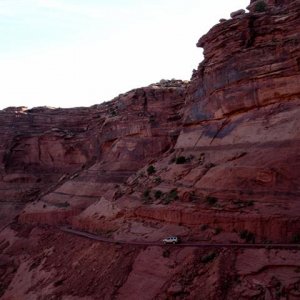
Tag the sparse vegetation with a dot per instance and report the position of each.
(151, 119)
(209, 165)
(203, 227)
(180, 160)
(211, 200)
(260, 6)
(172, 160)
(104, 232)
(64, 204)
(170, 197)
(218, 230)
(166, 253)
(158, 194)
(112, 112)
(241, 203)
(147, 196)
(208, 257)
(296, 238)
(297, 270)
(157, 180)
(248, 236)
(151, 170)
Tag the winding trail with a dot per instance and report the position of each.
(194, 244)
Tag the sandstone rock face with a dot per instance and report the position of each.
(249, 63)
(213, 160)
(73, 156)
(240, 118)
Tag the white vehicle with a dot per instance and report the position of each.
(171, 240)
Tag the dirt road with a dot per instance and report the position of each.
(189, 244)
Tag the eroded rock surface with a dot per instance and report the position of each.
(212, 160)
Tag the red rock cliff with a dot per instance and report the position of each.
(214, 160)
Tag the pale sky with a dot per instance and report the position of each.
(67, 53)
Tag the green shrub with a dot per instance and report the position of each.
(248, 236)
(171, 196)
(151, 170)
(158, 194)
(260, 6)
(211, 200)
(180, 160)
(208, 257)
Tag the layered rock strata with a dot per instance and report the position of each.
(213, 160)
(76, 155)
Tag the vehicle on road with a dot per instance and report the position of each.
(171, 240)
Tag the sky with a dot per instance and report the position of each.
(67, 53)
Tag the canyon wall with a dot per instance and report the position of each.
(214, 160)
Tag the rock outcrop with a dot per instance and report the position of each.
(72, 157)
(215, 159)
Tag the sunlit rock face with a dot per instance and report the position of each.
(249, 62)
(43, 147)
(242, 116)
(212, 160)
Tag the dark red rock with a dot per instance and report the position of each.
(224, 151)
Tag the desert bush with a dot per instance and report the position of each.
(203, 227)
(112, 112)
(64, 204)
(157, 180)
(248, 236)
(296, 238)
(171, 196)
(241, 203)
(208, 257)
(172, 160)
(218, 230)
(158, 194)
(151, 170)
(147, 197)
(166, 253)
(211, 200)
(180, 160)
